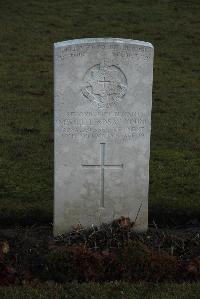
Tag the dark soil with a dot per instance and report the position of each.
(109, 252)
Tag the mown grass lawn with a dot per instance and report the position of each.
(105, 291)
(28, 31)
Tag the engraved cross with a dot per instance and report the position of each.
(104, 81)
(102, 166)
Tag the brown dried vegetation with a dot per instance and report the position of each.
(107, 253)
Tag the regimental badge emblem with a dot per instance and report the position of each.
(104, 85)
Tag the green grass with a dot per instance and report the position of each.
(28, 31)
(105, 291)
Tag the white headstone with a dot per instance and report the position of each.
(103, 98)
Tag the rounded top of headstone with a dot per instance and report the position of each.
(102, 40)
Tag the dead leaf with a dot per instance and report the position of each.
(5, 248)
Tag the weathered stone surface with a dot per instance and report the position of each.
(103, 97)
